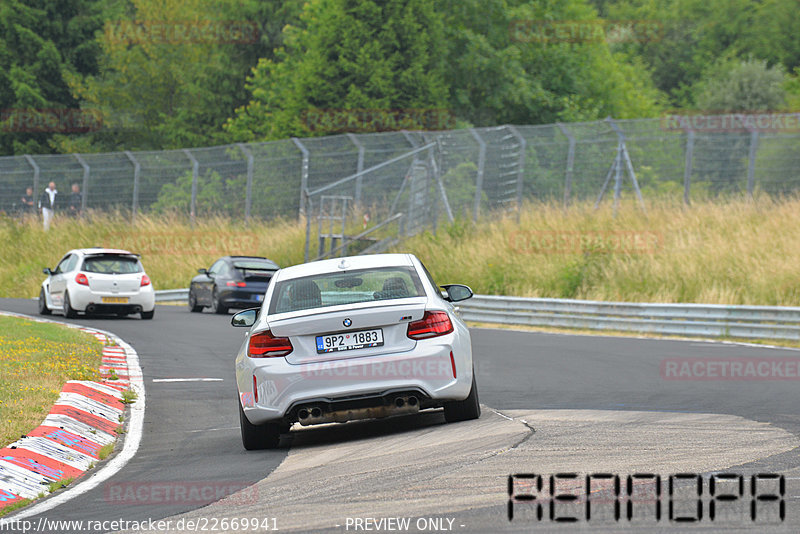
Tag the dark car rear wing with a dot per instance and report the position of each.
(124, 254)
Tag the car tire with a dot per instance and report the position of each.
(257, 437)
(69, 311)
(216, 307)
(43, 309)
(148, 315)
(469, 408)
(194, 307)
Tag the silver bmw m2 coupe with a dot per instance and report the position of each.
(352, 338)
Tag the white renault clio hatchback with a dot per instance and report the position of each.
(98, 280)
(352, 338)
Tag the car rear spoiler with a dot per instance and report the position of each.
(89, 255)
(259, 269)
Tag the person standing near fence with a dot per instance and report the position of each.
(75, 201)
(48, 203)
(27, 206)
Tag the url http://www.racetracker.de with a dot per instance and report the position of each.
(200, 524)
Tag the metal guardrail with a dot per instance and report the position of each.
(172, 295)
(704, 320)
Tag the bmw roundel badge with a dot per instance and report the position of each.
(347, 322)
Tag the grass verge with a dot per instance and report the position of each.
(732, 251)
(36, 359)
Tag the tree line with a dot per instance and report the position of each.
(99, 75)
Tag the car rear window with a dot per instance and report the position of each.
(112, 264)
(333, 289)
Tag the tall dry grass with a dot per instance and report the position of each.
(172, 250)
(737, 252)
(732, 252)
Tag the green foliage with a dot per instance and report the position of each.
(160, 90)
(346, 57)
(318, 67)
(499, 73)
(215, 195)
(695, 35)
(42, 43)
(749, 85)
(459, 182)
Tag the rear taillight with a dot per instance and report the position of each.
(432, 324)
(81, 279)
(235, 284)
(264, 345)
(145, 281)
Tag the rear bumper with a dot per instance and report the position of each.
(88, 300)
(241, 299)
(426, 372)
(114, 309)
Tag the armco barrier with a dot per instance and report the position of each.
(704, 320)
(172, 295)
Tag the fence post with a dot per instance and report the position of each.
(438, 177)
(85, 188)
(751, 165)
(622, 154)
(136, 170)
(303, 175)
(570, 163)
(521, 167)
(687, 168)
(479, 178)
(35, 168)
(304, 194)
(248, 200)
(359, 166)
(195, 172)
(410, 139)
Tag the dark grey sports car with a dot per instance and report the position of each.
(231, 282)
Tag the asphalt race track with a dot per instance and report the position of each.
(551, 404)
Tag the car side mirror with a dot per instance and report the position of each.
(202, 271)
(47, 271)
(245, 318)
(457, 292)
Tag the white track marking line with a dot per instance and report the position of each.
(132, 439)
(502, 415)
(187, 380)
(212, 429)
